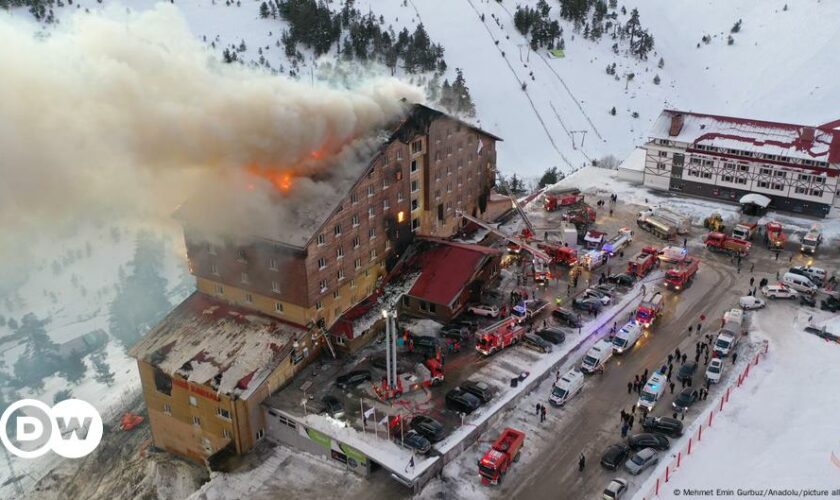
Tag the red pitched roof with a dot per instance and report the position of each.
(446, 269)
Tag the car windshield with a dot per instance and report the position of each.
(643, 314)
(647, 397)
(714, 368)
(619, 342)
(589, 360)
(638, 460)
(559, 392)
(723, 344)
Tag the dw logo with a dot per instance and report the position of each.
(72, 428)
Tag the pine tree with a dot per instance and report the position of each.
(730, 40)
(656, 80)
(264, 10)
(661, 63)
(548, 178)
(612, 111)
(104, 375)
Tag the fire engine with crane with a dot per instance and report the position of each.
(497, 460)
(681, 276)
(499, 335)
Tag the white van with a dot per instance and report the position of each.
(799, 283)
(725, 343)
(597, 356)
(626, 338)
(733, 322)
(654, 388)
(566, 388)
(817, 275)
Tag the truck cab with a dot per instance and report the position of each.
(649, 309)
(566, 388)
(497, 460)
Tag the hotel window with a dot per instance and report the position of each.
(460, 164)
(323, 285)
(707, 175)
(778, 187)
(356, 242)
(763, 184)
(196, 421)
(339, 252)
(167, 409)
(336, 295)
(354, 198)
(437, 157)
(322, 240)
(260, 434)
(449, 170)
(801, 190)
(413, 167)
(193, 401)
(221, 412)
(275, 287)
(211, 249)
(804, 177)
(416, 146)
(399, 154)
(353, 283)
(249, 298)
(415, 224)
(278, 307)
(663, 154)
(372, 253)
(243, 277)
(337, 230)
(400, 196)
(816, 192)
(779, 173)
(226, 433)
(744, 168)
(340, 274)
(322, 263)
(318, 305)
(371, 212)
(660, 166)
(741, 180)
(357, 263)
(819, 180)
(370, 191)
(372, 233)
(415, 204)
(415, 186)
(241, 255)
(401, 216)
(214, 269)
(220, 290)
(708, 163)
(695, 161)
(386, 204)
(355, 220)
(727, 178)
(386, 182)
(272, 264)
(765, 171)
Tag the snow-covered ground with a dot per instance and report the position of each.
(779, 430)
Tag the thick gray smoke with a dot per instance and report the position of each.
(115, 112)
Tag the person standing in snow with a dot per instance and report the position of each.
(581, 463)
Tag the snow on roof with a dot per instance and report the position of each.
(206, 341)
(755, 199)
(446, 269)
(634, 161)
(755, 136)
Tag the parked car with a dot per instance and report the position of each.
(425, 343)
(352, 379)
(714, 370)
(779, 292)
(607, 289)
(614, 456)
(623, 279)
(460, 334)
(687, 371)
(413, 440)
(749, 302)
(462, 401)
(648, 440)
(566, 317)
(830, 304)
(598, 294)
(663, 425)
(333, 406)
(641, 460)
(553, 335)
(685, 399)
(486, 310)
(536, 343)
(807, 300)
(428, 427)
(587, 304)
(615, 490)
(815, 274)
(481, 390)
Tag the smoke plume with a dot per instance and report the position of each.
(110, 113)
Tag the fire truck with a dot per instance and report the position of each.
(719, 242)
(580, 216)
(642, 263)
(619, 241)
(560, 254)
(649, 309)
(527, 309)
(560, 198)
(681, 222)
(498, 459)
(426, 374)
(775, 236)
(744, 231)
(499, 335)
(811, 240)
(594, 239)
(680, 277)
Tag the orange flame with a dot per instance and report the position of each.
(281, 179)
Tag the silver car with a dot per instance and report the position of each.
(615, 490)
(641, 460)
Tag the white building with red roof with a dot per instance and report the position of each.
(725, 158)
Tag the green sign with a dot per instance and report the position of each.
(319, 438)
(353, 453)
(557, 53)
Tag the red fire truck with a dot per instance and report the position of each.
(775, 236)
(427, 374)
(680, 277)
(498, 459)
(719, 242)
(559, 198)
(582, 215)
(560, 254)
(499, 335)
(642, 263)
(649, 309)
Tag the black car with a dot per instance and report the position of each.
(428, 427)
(587, 304)
(424, 343)
(455, 333)
(553, 335)
(462, 401)
(614, 456)
(352, 379)
(830, 304)
(481, 390)
(622, 279)
(333, 406)
(687, 371)
(536, 343)
(566, 317)
(379, 362)
(648, 440)
(663, 425)
(607, 289)
(413, 440)
(807, 300)
(685, 399)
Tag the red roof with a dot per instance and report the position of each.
(447, 269)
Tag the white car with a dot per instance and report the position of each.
(779, 292)
(602, 296)
(749, 302)
(714, 370)
(484, 310)
(616, 489)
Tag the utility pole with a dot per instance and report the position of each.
(583, 137)
(527, 57)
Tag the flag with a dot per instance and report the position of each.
(369, 412)
(410, 464)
